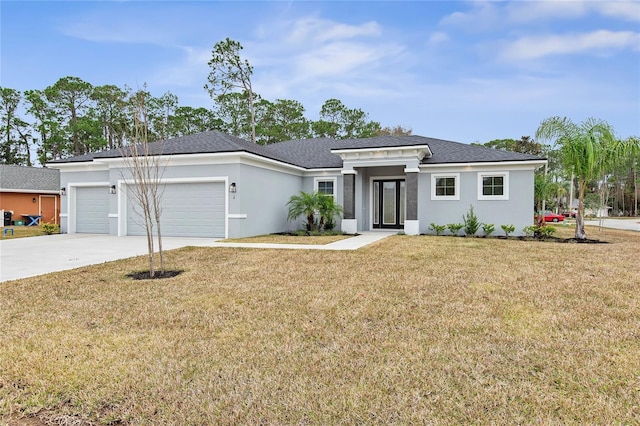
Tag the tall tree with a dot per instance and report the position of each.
(188, 120)
(47, 124)
(230, 72)
(232, 109)
(110, 107)
(339, 122)
(280, 121)
(525, 145)
(588, 151)
(9, 147)
(397, 130)
(70, 97)
(160, 109)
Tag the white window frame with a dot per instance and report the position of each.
(317, 180)
(434, 178)
(505, 192)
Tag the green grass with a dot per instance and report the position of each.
(409, 330)
(21, 232)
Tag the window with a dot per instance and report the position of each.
(493, 186)
(445, 186)
(325, 186)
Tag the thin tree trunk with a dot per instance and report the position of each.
(580, 234)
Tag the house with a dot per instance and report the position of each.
(217, 185)
(29, 192)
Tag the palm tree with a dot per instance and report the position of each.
(304, 204)
(310, 204)
(328, 210)
(589, 150)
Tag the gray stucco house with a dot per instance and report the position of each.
(220, 186)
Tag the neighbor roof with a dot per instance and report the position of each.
(316, 153)
(15, 178)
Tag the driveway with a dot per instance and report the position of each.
(28, 257)
(624, 224)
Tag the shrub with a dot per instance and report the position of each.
(471, 223)
(508, 229)
(530, 230)
(546, 231)
(50, 228)
(488, 228)
(454, 227)
(438, 229)
(539, 230)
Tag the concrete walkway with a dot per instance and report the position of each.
(28, 257)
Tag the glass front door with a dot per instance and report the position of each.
(388, 203)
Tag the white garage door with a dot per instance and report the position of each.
(92, 210)
(188, 210)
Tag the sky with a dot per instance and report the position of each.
(462, 71)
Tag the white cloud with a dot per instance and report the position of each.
(535, 47)
(628, 10)
(485, 15)
(438, 37)
(316, 30)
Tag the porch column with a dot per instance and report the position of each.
(349, 221)
(411, 222)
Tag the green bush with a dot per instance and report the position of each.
(438, 229)
(508, 229)
(539, 231)
(471, 224)
(454, 228)
(50, 228)
(488, 228)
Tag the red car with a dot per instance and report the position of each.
(552, 217)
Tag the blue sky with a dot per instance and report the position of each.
(463, 71)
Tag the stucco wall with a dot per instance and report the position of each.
(47, 205)
(517, 210)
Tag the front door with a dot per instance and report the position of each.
(49, 209)
(389, 203)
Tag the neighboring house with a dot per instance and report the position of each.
(30, 191)
(216, 185)
(602, 211)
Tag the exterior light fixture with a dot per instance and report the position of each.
(233, 188)
(63, 191)
(112, 189)
(33, 199)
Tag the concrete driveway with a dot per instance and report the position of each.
(28, 257)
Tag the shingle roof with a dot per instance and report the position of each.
(29, 178)
(316, 153)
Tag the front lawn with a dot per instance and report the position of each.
(20, 232)
(290, 239)
(409, 330)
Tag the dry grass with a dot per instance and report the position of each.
(21, 232)
(290, 239)
(409, 330)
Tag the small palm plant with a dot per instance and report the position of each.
(328, 209)
(304, 204)
(312, 204)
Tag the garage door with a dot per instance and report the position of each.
(92, 210)
(188, 210)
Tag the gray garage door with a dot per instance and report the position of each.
(92, 210)
(188, 210)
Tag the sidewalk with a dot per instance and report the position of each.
(624, 224)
